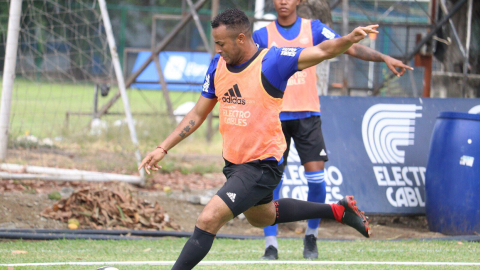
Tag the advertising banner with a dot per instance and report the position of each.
(183, 71)
(378, 151)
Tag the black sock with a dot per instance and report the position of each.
(289, 210)
(194, 250)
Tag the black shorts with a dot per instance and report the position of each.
(249, 184)
(308, 138)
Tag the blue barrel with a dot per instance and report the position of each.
(452, 180)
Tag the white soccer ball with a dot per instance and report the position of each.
(107, 268)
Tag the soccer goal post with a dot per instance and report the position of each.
(59, 53)
(9, 73)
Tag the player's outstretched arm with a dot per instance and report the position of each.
(189, 124)
(365, 53)
(330, 48)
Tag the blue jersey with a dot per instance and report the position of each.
(320, 33)
(277, 67)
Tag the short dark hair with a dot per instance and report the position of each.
(232, 18)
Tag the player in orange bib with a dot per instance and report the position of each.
(241, 79)
(300, 115)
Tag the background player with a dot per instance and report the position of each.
(301, 109)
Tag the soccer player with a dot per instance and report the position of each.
(300, 115)
(249, 83)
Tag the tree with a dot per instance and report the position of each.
(316, 9)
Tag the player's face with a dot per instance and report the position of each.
(285, 8)
(226, 44)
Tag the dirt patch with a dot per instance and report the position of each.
(181, 182)
(22, 210)
(21, 202)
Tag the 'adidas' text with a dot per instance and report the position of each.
(233, 96)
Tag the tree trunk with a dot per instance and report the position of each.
(316, 9)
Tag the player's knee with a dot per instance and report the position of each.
(258, 222)
(262, 215)
(211, 219)
(206, 221)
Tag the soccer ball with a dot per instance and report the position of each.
(107, 268)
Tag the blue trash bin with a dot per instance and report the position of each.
(452, 180)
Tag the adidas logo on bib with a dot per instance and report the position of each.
(233, 96)
(231, 196)
(323, 153)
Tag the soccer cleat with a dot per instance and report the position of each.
(353, 217)
(271, 253)
(310, 250)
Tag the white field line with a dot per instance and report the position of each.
(247, 262)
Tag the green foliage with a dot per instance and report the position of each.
(54, 195)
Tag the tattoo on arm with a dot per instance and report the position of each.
(187, 129)
(367, 54)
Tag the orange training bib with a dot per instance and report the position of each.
(249, 121)
(301, 92)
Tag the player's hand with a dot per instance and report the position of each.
(361, 32)
(393, 64)
(151, 160)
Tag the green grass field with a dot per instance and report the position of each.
(39, 108)
(241, 250)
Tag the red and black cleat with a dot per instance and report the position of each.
(353, 217)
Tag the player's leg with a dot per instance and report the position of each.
(314, 173)
(262, 212)
(215, 214)
(261, 215)
(290, 210)
(239, 193)
(267, 212)
(270, 232)
(310, 145)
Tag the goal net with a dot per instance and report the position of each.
(64, 74)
